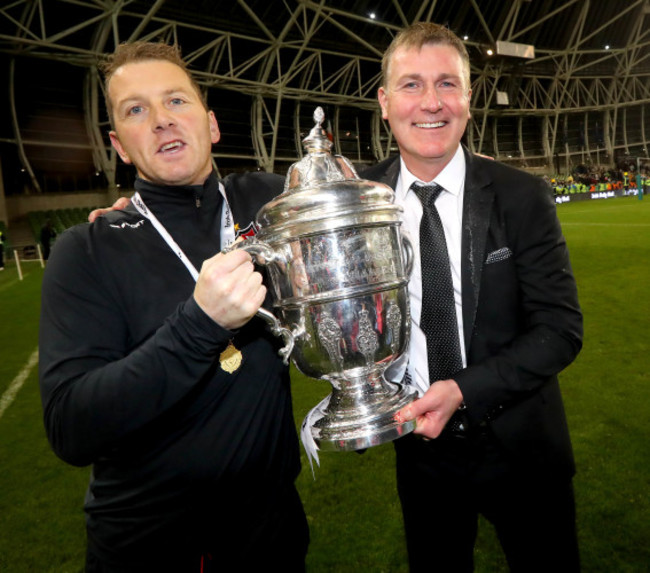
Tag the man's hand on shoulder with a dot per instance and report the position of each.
(433, 410)
(120, 204)
(229, 290)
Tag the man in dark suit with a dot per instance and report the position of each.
(491, 435)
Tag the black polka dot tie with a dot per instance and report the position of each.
(438, 319)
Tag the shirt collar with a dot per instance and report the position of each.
(451, 178)
(153, 192)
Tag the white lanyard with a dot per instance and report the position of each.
(227, 224)
(227, 228)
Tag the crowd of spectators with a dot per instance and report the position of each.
(599, 179)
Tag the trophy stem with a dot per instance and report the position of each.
(360, 413)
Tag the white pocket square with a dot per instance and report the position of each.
(498, 255)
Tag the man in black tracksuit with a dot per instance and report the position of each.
(159, 377)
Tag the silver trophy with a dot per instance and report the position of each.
(339, 269)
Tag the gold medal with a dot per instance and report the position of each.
(230, 359)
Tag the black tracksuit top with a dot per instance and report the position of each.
(131, 379)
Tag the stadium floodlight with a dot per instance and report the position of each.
(515, 50)
(502, 98)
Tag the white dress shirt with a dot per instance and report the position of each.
(450, 208)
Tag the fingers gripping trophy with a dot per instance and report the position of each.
(339, 268)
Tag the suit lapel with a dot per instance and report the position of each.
(386, 172)
(477, 204)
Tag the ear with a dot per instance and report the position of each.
(214, 128)
(469, 99)
(382, 96)
(115, 142)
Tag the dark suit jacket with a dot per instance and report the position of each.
(521, 315)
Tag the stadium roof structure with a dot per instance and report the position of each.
(266, 64)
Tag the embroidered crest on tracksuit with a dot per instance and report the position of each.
(247, 232)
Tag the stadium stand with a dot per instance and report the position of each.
(61, 219)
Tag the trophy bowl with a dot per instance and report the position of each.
(339, 267)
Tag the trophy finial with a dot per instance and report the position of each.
(317, 139)
(319, 116)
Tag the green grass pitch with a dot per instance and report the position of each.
(352, 503)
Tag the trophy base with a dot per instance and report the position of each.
(341, 429)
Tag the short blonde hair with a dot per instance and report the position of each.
(421, 34)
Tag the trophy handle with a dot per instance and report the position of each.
(263, 254)
(280, 331)
(407, 247)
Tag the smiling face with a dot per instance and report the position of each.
(161, 124)
(426, 102)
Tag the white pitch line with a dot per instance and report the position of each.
(17, 383)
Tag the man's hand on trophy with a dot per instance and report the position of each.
(120, 204)
(229, 290)
(434, 409)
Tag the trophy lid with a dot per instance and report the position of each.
(323, 190)
(318, 165)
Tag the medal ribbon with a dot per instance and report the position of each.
(227, 228)
(231, 353)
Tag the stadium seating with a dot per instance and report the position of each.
(61, 219)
